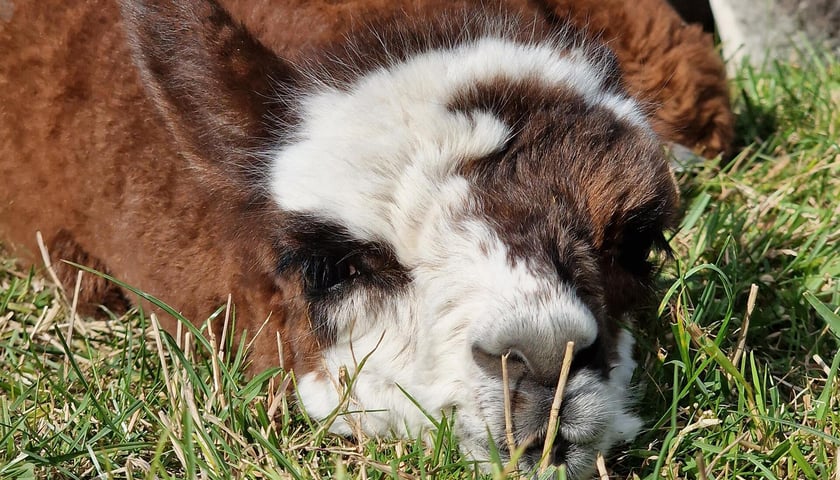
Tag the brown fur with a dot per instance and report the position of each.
(83, 150)
(105, 167)
(666, 63)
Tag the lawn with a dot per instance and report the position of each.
(739, 362)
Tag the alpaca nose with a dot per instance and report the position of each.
(538, 367)
(521, 362)
(537, 345)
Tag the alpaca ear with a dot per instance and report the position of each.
(209, 78)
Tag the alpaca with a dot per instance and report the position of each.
(428, 185)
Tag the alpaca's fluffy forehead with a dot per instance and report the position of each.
(383, 156)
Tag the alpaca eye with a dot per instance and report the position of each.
(323, 272)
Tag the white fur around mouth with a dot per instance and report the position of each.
(608, 404)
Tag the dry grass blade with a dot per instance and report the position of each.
(75, 304)
(837, 464)
(742, 337)
(821, 363)
(187, 392)
(278, 395)
(701, 466)
(225, 326)
(280, 351)
(164, 366)
(555, 406)
(45, 256)
(511, 442)
(706, 471)
(601, 465)
(250, 346)
(216, 357)
(72, 321)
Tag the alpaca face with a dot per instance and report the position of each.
(446, 190)
(460, 203)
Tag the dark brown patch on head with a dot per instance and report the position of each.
(576, 192)
(669, 65)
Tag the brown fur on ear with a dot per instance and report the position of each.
(211, 80)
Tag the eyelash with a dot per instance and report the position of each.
(322, 273)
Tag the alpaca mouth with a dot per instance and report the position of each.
(594, 415)
(585, 418)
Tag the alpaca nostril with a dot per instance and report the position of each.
(491, 362)
(592, 357)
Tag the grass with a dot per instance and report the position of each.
(739, 364)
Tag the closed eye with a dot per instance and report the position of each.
(329, 260)
(324, 272)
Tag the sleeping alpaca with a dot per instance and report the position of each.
(427, 185)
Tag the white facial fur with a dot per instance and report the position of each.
(359, 155)
(381, 159)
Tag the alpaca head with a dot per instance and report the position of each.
(447, 190)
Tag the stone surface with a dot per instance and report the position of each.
(762, 30)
